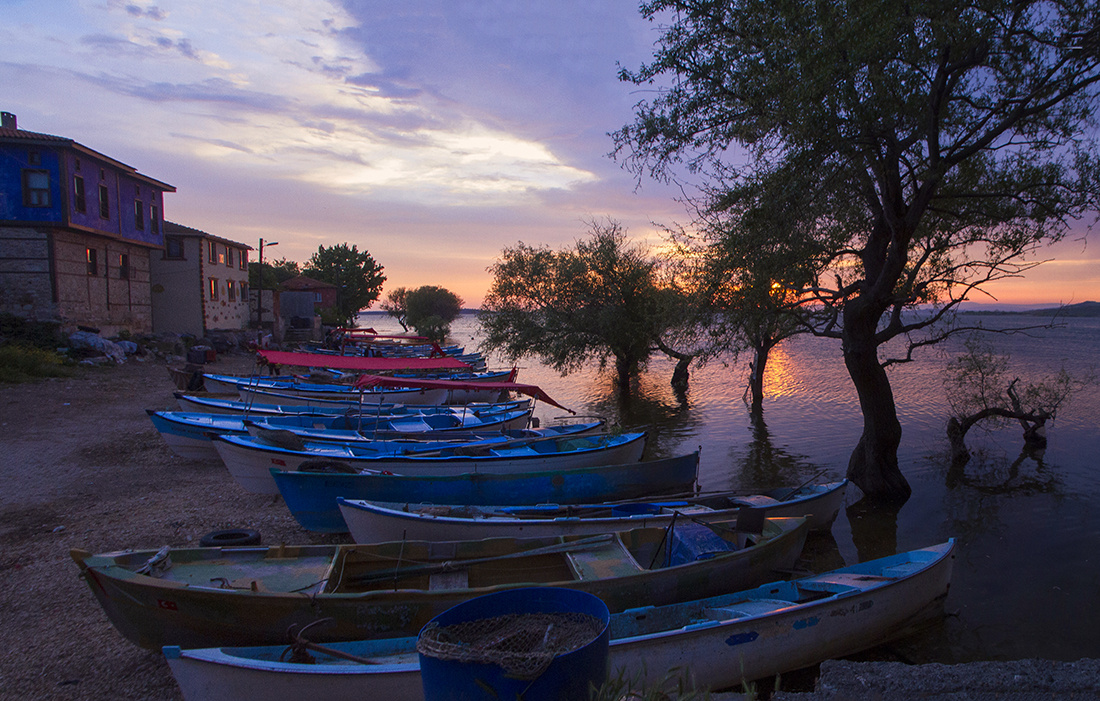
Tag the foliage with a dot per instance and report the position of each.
(39, 334)
(599, 300)
(21, 362)
(273, 274)
(396, 306)
(358, 278)
(913, 153)
(430, 310)
(978, 390)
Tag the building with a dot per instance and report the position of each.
(199, 282)
(323, 294)
(77, 229)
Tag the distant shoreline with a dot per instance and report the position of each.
(1081, 309)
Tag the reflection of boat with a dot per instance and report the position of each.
(198, 597)
(250, 459)
(372, 520)
(311, 496)
(717, 643)
(188, 434)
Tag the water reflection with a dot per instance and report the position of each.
(874, 527)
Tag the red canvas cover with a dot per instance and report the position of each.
(361, 364)
(529, 390)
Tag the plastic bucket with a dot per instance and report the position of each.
(458, 677)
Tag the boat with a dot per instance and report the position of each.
(311, 496)
(373, 520)
(188, 434)
(223, 404)
(250, 459)
(203, 597)
(294, 391)
(716, 643)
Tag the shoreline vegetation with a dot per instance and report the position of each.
(1079, 310)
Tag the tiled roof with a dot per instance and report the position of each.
(174, 229)
(33, 137)
(304, 283)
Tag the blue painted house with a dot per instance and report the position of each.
(77, 229)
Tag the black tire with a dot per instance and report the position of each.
(230, 537)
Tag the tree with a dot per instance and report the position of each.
(396, 306)
(358, 278)
(430, 310)
(273, 274)
(979, 390)
(598, 301)
(932, 147)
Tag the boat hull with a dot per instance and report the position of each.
(311, 497)
(250, 462)
(272, 589)
(710, 653)
(373, 520)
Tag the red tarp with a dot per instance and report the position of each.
(355, 362)
(529, 390)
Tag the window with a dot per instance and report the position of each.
(221, 254)
(242, 259)
(173, 247)
(34, 158)
(244, 291)
(76, 161)
(229, 256)
(123, 266)
(139, 215)
(213, 289)
(317, 298)
(230, 291)
(104, 202)
(79, 202)
(154, 221)
(93, 263)
(213, 251)
(36, 188)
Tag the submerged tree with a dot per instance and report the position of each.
(599, 300)
(979, 390)
(358, 278)
(396, 305)
(430, 310)
(932, 146)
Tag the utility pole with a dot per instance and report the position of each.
(260, 293)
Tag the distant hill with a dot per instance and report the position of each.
(1081, 309)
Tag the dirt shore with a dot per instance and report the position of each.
(82, 467)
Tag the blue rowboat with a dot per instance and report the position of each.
(221, 405)
(188, 434)
(714, 643)
(311, 496)
(250, 459)
(374, 520)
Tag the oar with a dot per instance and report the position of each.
(582, 544)
(791, 493)
(300, 642)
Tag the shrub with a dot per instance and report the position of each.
(22, 362)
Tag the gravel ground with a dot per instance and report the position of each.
(82, 467)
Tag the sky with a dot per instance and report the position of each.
(431, 133)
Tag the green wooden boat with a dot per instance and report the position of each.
(205, 597)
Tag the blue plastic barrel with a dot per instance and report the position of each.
(566, 678)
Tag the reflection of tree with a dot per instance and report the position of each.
(997, 479)
(651, 406)
(874, 526)
(763, 466)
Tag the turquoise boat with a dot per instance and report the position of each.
(312, 496)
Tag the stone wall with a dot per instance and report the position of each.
(25, 286)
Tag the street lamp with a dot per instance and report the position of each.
(260, 293)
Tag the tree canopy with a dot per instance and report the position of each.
(430, 310)
(395, 305)
(597, 301)
(358, 278)
(916, 151)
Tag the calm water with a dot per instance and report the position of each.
(1027, 572)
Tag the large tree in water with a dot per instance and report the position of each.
(931, 146)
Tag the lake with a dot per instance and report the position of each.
(1027, 571)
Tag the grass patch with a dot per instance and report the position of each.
(24, 363)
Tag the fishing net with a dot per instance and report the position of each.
(523, 645)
